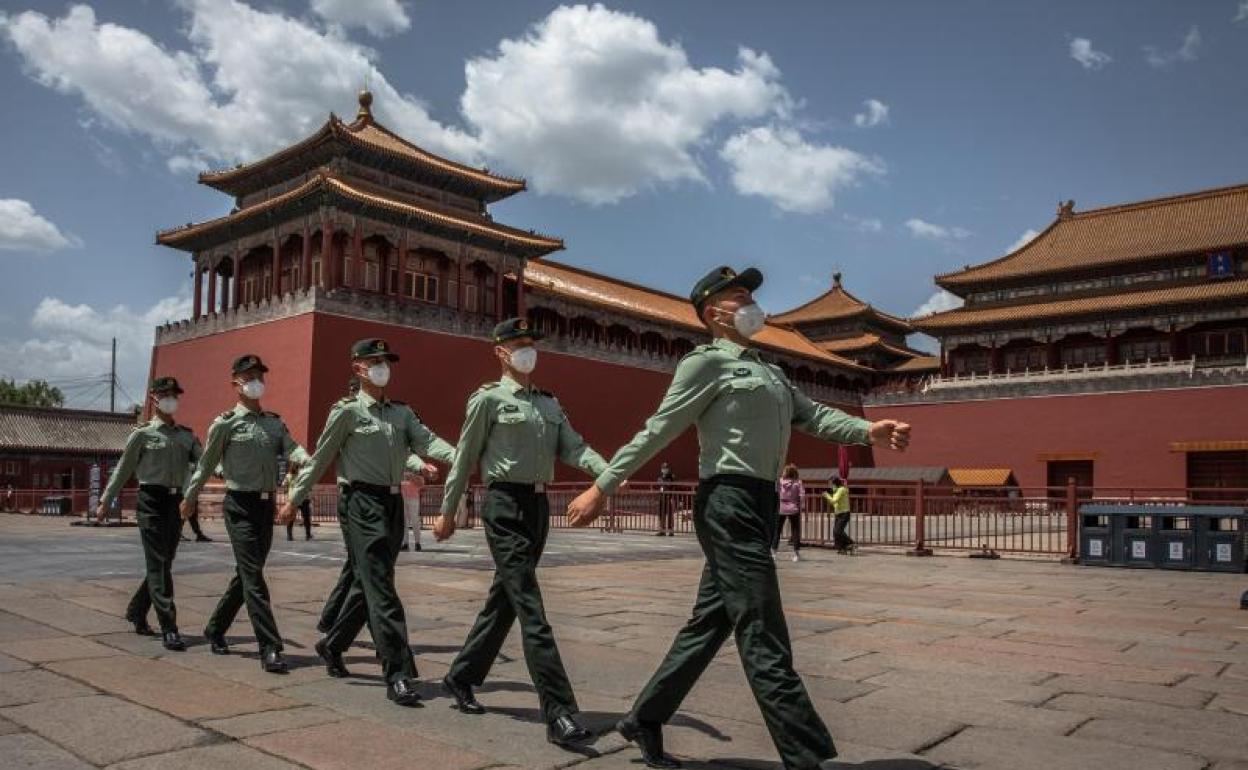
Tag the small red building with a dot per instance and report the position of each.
(54, 449)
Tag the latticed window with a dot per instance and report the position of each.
(1019, 359)
(452, 293)
(1153, 349)
(1092, 354)
(470, 298)
(316, 271)
(1222, 342)
(420, 280)
(372, 276)
(971, 362)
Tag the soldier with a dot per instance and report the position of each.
(162, 452)
(375, 438)
(247, 442)
(516, 431)
(744, 410)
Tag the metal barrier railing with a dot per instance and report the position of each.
(918, 517)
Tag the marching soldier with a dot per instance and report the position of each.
(247, 442)
(372, 437)
(744, 410)
(162, 453)
(516, 431)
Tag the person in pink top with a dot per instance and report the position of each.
(791, 492)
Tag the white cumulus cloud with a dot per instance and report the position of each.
(940, 301)
(1242, 14)
(23, 229)
(592, 102)
(1027, 237)
(933, 232)
(249, 83)
(1081, 50)
(73, 342)
(379, 17)
(1186, 52)
(797, 176)
(874, 113)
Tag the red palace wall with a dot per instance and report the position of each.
(1129, 433)
(309, 368)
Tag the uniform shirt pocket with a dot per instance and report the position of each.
(744, 394)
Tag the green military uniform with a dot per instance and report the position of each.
(516, 432)
(744, 409)
(372, 440)
(161, 455)
(248, 445)
(338, 594)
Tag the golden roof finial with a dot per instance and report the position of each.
(836, 278)
(366, 103)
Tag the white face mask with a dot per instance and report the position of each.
(749, 319)
(168, 404)
(524, 360)
(252, 389)
(379, 374)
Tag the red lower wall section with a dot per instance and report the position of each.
(309, 362)
(1128, 435)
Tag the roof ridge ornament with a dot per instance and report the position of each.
(1066, 210)
(836, 279)
(365, 114)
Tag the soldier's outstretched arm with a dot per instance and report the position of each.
(122, 473)
(471, 443)
(208, 460)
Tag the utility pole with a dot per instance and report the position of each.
(112, 380)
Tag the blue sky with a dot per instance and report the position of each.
(891, 140)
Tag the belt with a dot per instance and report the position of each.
(161, 488)
(375, 489)
(515, 486)
(245, 493)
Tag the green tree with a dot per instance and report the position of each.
(33, 393)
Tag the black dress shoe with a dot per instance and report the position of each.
(566, 731)
(404, 547)
(173, 641)
(217, 643)
(202, 539)
(418, 546)
(649, 738)
(403, 692)
(142, 628)
(465, 701)
(333, 661)
(273, 662)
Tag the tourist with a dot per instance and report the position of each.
(372, 438)
(722, 388)
(247, 442)
(838, 502)
(413, 483)
(515, 432)
(305, 508)
(161, 453)
(791, 495)
(666, 515)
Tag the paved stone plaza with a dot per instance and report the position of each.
(915, 663)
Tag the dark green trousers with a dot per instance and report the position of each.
(374, 532)
(516, 521)
(159, 527)
(338, 594)
(734, 518)
(249, 521)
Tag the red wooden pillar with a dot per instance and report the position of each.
(463, 290)
(328, 271)
(198, 289)
(400, 266)
(275, 288)
(238, 276)
(1111, 349)
(212, 288)
(944, 359)
(1050, 354)
(994, 365)
(357, 250)
(226, 280)
(305, 270)
(498, 290)
(520, 290)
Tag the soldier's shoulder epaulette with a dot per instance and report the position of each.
(227, 414)
(344, 400)
(488, 385)
(704, 348)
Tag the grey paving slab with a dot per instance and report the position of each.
(1152, 713)
(36, 685)
(104, 730)
(263, 722)
(986, 748)
(60, 648)
(227, 755)
(30, 752)
(1210, 744)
